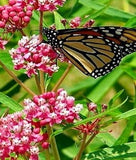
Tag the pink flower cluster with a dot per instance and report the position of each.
(47, 5)
(52, 108)
(22, 133)
(18, 137)
(15, 15)
(33, 56)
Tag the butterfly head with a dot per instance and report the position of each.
(51, 36)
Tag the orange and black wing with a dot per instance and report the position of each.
(97, 50)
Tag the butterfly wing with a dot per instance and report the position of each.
(97, 50)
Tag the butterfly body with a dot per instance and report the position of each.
(96, 50)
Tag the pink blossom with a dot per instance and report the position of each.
(22, 132)
(15, 15)
(47, 5)
(18, 136)
(92, 107)
(52, 108)
(88, 23)
(2, 43)
(33, 56)
(74, 23)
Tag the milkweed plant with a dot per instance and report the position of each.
(30, 130)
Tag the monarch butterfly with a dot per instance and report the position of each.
(95, 51)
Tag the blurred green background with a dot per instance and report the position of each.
(101, 90)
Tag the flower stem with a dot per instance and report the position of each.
(42, 84)
(47, 154)
(53, 144)
(62, 77)
(90, 139)
(22, 32)
(16, 79)
(49, 129)
(42, 88)
(82, 147)
(38, 83)
(41, 23)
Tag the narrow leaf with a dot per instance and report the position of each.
(115, 98)
(127, 114)
(58, 19)
(117, 152)
(110, 11)
(10, 103)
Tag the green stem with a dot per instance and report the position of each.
(42, 84)
(90, 139)
(41, 24)
(49, 129)
(40, 80)
(38, 83)
(47, 154)
(22, 32)
(16, 79)
(53, 144)
(42, 89)
(62, 77)
(82, 147)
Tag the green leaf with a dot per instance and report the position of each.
(110, 11)
(131, 22)
(58, 19)
(107, 138)
(10, 103)
(130, 71)
(69, 8)
(99, 12)
(104, 85)
(84, 84)
(127, 114)
(115, 98)
(123, 138)
(119, 152)
(6, 59)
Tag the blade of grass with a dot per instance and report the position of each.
(110, 11)
(9, 102)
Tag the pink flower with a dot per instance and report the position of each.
(74, 23)
(15, 15)
(47, 5)
(2, 43)
(18, 136)
(33, 56)
(52, 108)
(22, 132)
(92, 107)
(88, 23)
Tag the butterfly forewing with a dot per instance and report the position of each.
(95, 51)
